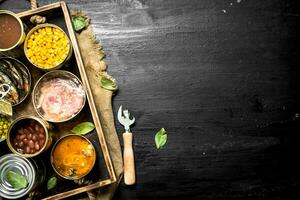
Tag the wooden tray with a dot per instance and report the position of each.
(103, 172)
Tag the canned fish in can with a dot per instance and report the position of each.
(33, 170)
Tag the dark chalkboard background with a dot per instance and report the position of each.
(222, 76)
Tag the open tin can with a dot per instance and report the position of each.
(28, 136)
(33, 170)
(39, 30)
(73, 157)
(12, 34)
(58, 96)
(5, 122)
(18, 77)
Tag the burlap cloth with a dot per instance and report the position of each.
(92, 54)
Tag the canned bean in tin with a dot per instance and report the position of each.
(28, 136)
(33, 170)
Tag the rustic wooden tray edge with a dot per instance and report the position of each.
(90, 99)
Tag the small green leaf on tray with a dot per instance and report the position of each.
(16, 180)
(83, 128)
(161, 138)
(80, 22)
(108, 83)
(51, 183)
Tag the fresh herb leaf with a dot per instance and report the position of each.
(16, 180)
(83, 128)
(79, 23)
(51, 183)
(108, 83)
(161, 138)
(5, 108)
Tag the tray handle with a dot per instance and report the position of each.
(33, 4)
(36, 19)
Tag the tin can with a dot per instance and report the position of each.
(43, 26)
(33, 170)
(48, 137)
(5, 122)
(69, 155)
(48, 77)
(28, 78)
(15, 50)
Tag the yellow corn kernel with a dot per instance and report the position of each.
(47, 47)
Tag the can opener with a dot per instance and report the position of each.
(128, 155)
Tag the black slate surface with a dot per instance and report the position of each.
(222, 76)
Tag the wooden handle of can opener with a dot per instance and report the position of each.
(129, 169)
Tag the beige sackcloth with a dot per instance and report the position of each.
(92, 55)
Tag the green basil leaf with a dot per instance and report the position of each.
(79, 23)
(16, 180)
(108, 83)
(83, 128)
(161, 138)
(51, 183)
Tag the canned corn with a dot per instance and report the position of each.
(47, 47)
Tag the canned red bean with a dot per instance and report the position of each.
(28, 136)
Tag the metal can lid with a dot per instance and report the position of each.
(11, 162)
